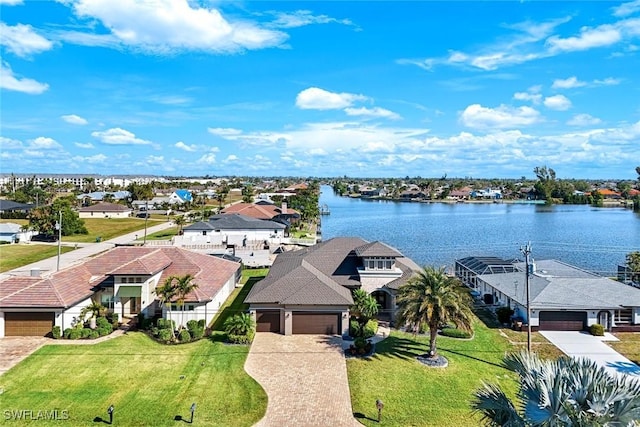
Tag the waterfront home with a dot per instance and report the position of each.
(234, 229)
(124, 280)
(562, 297)
(308, 291)
(487, 193)
(265, 210)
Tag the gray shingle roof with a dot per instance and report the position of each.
(487, 265)
(235, 222)
(377, 249)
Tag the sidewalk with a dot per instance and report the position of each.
(84, 250)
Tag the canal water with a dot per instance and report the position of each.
(596, 239)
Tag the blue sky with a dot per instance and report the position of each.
(363, 89)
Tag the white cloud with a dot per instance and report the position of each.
(528, 96)
(372, 112)
(83, 145)
(95, 159)
(557, 102)
(209, 159)
(118, 136)
(231, 158)
(10, 2)
(74, 119)
(301, 18)
(583, 120)
(609, 81)
(603, 35)
(627, 8)
(10, 81)
(165, 26)
(568, 83)
(7, 143)
(44, 143)
(314, 98)
(477, 116)
(154, 160)
(23, 40)
(181, 145)
(224, 131)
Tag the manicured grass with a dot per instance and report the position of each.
(15, 221)
(248, 273)
(539, 344)
(17, 255)
(142, 379)
(108, 228)
(628, 346)
(235, 303)
(416, 395)
(165, 234)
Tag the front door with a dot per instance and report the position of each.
(134, 305)
(604, 318)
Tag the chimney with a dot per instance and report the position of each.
(35, 272)
(284, 207)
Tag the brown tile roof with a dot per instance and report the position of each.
(257, 211)
(71, 285)
(105, 207)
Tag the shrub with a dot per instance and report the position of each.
(67, 332)
(55, 332)
(597, 330)
(455, 333)
(192, 324)
(202, 323)
(184, 336)
(504, 314)
(93, 335)
(240, 324)
(197, 333)
(102, 322)
(115, 319)
(166, 324)
(354, 328)
(241, 339)
(103, 331)
(84, 333)
(165, 335)
(370, 328)
(75, 334)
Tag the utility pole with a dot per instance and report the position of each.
(146, 217)
(526, 251)
(59, 227)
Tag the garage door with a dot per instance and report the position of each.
(315, 323)
(28, 324)
(563, 320)
(268, 321)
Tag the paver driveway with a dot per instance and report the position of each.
(15, 349)
(305, 377)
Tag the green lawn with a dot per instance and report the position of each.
(235, 303)
(415, 395)
(165, 234)
(141, 378)
(14, 256)
(108, 228)
(628, 346)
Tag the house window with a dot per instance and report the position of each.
(138, 279)
(123, 280)
(204, 232)
(130, 280)
(380, 265)
(622, 316)
(372, 264)
(389, 264)
(107, 301)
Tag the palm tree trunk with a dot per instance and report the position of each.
(433, 335)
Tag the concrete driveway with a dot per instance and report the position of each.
(583, 344)
(305, 378)
(15, 349)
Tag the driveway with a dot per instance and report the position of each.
(14, 349)
(583, 344)
(305, 378)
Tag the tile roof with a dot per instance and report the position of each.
(319, 275)
(259, 211)
(74, 284)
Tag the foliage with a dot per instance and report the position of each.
(55, 332)
(141, 191)
(239, 324)
(202, 323)
(84, 332)
(75, 334)
(165, 334)
(364, 308)
(166, 324)
(566, 392)
(633, 263)
(45, 218)
(597, 330)
(177, 287)
(184, 336)
(455, 333)
(93, 335)
(433, 298)
(95, 308)
(166, 292)
(102, 331)
(192, 324)
(370, 328)
(197, 332)
(504, 314)
(546, 182)
(102, 322)
(241, 339)
(67, 332)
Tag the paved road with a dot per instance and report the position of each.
(582, 344)
(84, 250)
(305, 377)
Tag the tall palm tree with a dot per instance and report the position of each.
(166, 293)
(432, 298)
(184, 285)
(364, 308)
(180, 221)
(566, 392)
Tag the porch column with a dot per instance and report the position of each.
(288, 321)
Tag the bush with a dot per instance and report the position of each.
(354, 328)
(75, 334)
(192, 324)
(67, 332)
(241, 339)
(455, 333)
(166, 324)
(165, 335)
(370, 328)
(197, 333)
(202, 323)
(102, 322)
(184, 336)
(114, 319)
(93, 335)
(597, 330)
(103, 331)
(55, 332)
(84, 333)
(504, 314)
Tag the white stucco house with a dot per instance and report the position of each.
(105, 210)
(234, 229)
(13, 233)
(124, 280)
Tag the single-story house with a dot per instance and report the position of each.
(124, 280)
(105, 210)
(562, 297)
(308, 291)
(180, 196)
(13, 233)
(467, 269)
(9, 206)
(98, 196)
(234, 229)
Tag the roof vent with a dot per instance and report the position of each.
(35, 272)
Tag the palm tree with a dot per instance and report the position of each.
(240, 324)
(96, 309)
(167, 292)
(180, 221)
(364, 308)
(565, 392)
(184, 285)
(434, 299)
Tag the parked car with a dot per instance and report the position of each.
(44, 238)
(143, 215)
